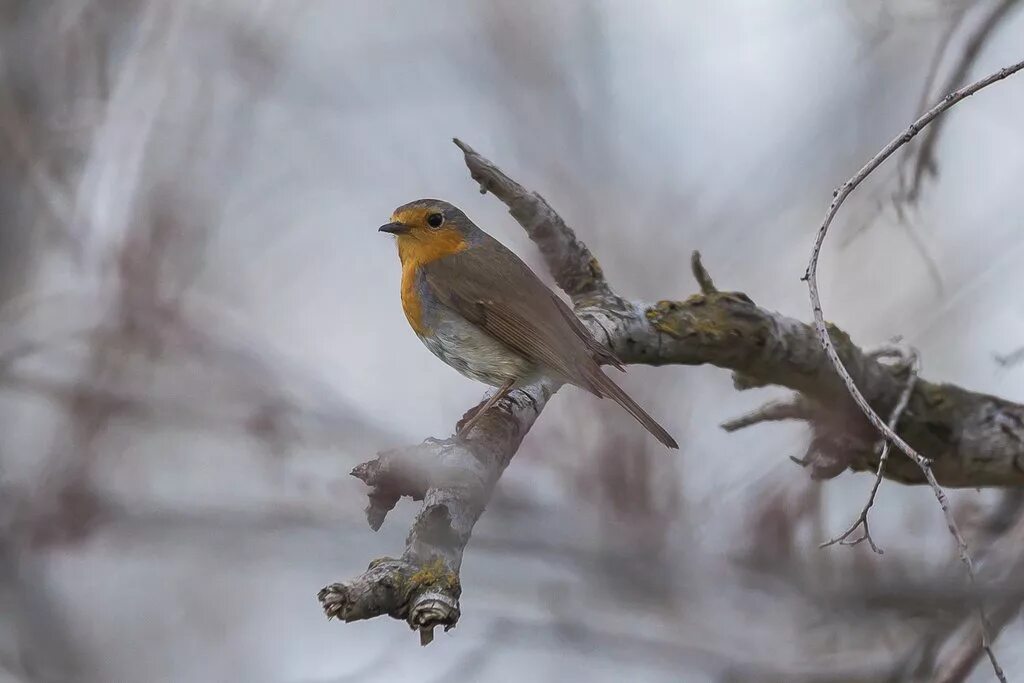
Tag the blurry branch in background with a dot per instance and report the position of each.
(96, 187)
(952, 644)
(80, 161)
(605, 640)
(41, 646)
(153, 355)
(811, 276)
(978, 440)
(75, 115)
(919, 160)
(772, 546)
(1002, 548)
(925, 617)
(1010, 359)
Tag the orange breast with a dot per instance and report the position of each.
(411, 303)
(415, 251)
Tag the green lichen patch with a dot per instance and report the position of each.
(710, 317)
(434, 576)
(662, 316)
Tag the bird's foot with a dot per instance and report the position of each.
(469, 419)
(472, 415)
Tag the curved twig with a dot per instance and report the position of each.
(811, 277)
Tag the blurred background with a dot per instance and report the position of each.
(201, 331)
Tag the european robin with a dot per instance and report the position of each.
(482, 311)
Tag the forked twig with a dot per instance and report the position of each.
(894, 418)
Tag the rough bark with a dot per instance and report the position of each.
(973, 439)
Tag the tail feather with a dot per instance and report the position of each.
(604, 386)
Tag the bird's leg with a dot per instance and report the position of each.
(463, 428)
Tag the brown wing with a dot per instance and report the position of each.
(600, 352)
(492, 287)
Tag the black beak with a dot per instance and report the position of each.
(394, 228)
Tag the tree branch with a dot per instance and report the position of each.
(977, 439)
(774, 411)
(574, 268)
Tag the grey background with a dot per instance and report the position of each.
(272, 138)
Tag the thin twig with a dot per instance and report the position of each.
(811, 277)
(1003, 532)
(701, 274)
(773, 411)
(1010, 359)
(894, 418)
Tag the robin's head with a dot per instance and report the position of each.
(427, 229)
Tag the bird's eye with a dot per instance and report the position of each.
(435, 220)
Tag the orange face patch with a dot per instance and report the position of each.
(420, 246)
(415, 216)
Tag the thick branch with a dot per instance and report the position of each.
(976, 440)
(455, 485)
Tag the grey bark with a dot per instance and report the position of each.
(973, 439)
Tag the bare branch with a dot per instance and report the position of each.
(574, 268)
(701, 275)
(774, 411)
(819, 319)
(422, 587)
(981, 435)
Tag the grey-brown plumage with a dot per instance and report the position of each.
(485, 313)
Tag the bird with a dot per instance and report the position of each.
(480, 309)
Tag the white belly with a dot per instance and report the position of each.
(476, 354)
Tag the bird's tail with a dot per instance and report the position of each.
(604, 386)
